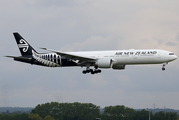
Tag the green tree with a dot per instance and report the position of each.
(34, 117)
(118, 113)
(143, 115)
(165, 116)
(23, 116)
(172, 115)
(68, 111)
(48, 118)
(160, 116)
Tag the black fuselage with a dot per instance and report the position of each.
(48, 63)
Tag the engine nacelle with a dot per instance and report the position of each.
(104, 63)
(118, 67)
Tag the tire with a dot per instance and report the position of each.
(84, 71)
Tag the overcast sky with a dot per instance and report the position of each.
(81, 25)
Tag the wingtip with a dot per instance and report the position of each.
(7, 56)
(15, 33)
(43, 48)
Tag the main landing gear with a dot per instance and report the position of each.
(164, 64)
(88, 70)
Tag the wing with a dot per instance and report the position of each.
(81, 60)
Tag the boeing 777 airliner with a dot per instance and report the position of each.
(116, 59)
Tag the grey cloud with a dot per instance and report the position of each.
(160, 41)
(170, 44)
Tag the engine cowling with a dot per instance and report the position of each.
(104, 63)
(118, 67)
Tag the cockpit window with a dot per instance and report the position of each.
(171, 53)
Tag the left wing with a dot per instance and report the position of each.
(80, 58)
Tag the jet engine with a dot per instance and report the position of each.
(118, 67)
(104, 63)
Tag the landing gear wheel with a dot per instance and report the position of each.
(163, 68)
(92, 72)
(99, 71)
(88, 70)
(84, 71)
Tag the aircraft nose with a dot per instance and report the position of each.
(172, 57)
(175, 57)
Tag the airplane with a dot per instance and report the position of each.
(115, 59)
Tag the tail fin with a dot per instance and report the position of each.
(24, 47)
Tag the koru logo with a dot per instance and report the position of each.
(23, 44)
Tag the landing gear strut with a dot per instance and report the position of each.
(88, 70)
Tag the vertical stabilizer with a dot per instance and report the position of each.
(24, 47)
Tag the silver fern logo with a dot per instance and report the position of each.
(45, 62)
(23, 44)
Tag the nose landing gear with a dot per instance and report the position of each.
(164, 64)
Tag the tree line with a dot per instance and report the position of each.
(15, 109)
(87, 111)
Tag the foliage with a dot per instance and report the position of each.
(124, 113)
(118, 113)
(143, 115)
(48, 118)
(34, 117)
(23, 116)
(15, 109)
(86, 111)
(165, 116)
(65, 111)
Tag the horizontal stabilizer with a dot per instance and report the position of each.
(25, 58)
